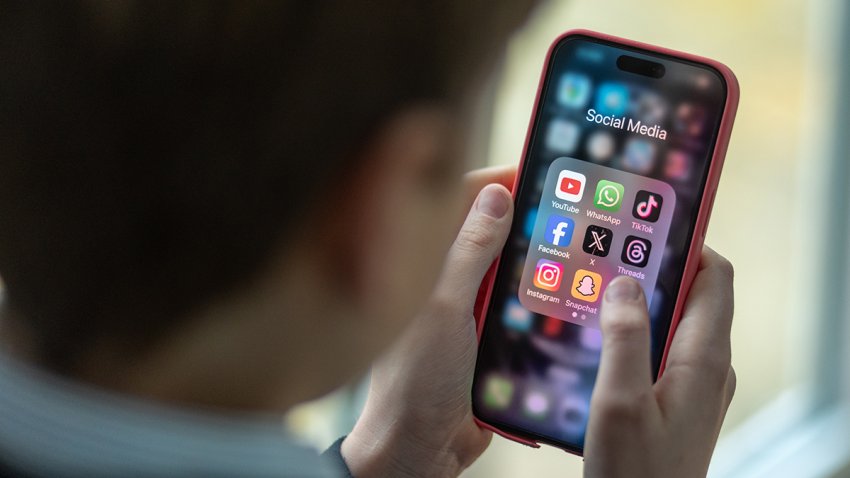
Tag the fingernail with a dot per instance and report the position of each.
(493, 201)
(623, 289)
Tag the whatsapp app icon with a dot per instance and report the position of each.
(609, 196)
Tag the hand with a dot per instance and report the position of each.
(418, 416)
(668, 429)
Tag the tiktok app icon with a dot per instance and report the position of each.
(647, 206)
(636, 251)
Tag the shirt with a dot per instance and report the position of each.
(51, 426)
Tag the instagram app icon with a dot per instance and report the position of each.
(548, 275)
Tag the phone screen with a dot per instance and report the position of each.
(615, 170)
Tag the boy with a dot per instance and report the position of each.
(210, 212)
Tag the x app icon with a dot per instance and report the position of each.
(597, 240)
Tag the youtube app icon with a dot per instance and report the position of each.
(570, 186)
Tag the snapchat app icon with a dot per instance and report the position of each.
(586, 285)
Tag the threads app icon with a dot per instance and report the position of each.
(636, 251)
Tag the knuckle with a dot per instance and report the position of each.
(726, 268)
(731, 383)
(712, 368)
(716, 368)
(624, 326)
(475, 238)
(716, 378)
(441, 305)
(623, 407)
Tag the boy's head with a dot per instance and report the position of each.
(201, 174)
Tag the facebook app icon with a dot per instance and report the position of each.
(559, 230)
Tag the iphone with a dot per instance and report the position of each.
(618, 176)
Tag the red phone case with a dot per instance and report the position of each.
(706, 203)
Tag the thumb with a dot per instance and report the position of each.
(624, 370)
(477, 245)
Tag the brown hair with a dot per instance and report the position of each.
(154, 154)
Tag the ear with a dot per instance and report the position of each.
(387, 225)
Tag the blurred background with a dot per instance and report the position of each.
(781, 217)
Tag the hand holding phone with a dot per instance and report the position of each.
(639, 429)
(418, 416)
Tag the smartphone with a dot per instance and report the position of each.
(619, 171)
